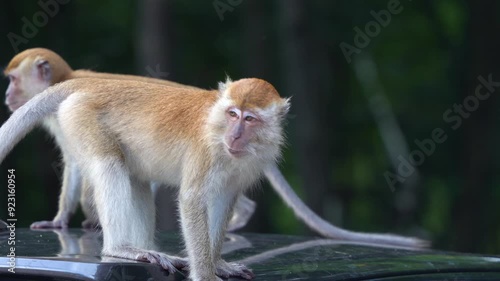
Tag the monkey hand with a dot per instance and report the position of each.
(232, 269)
(56, 223)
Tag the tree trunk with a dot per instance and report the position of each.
(481, 59)
(307, 78)
(154, 59)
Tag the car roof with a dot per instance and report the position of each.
(75, 255)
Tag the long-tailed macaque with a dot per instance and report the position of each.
(34, 70)
(213, 145)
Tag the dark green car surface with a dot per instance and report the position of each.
(74, 255)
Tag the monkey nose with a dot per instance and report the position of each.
(236, 134)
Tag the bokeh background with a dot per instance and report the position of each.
(368, 92)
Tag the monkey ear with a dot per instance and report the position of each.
(44, 70)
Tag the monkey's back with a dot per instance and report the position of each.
(141, 122)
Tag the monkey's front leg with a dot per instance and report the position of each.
(204, 214)
(68, 200)
(194, 223)
(219, 213)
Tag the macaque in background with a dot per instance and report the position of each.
(34, 70)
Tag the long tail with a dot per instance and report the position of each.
(22, 121)
(323, 227)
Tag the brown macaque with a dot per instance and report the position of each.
(212, 144)
(34, 70)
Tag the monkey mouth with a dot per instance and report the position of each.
(235, 152)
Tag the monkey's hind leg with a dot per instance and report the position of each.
(127, 214)
(88, 206)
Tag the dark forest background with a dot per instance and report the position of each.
(395, 113)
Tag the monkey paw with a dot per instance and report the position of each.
(49, 224)
(232, 269)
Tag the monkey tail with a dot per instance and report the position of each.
(24, 119)
(326, 229)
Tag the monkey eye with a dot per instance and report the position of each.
(249, 118)
(233, 114)
(11, 77)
